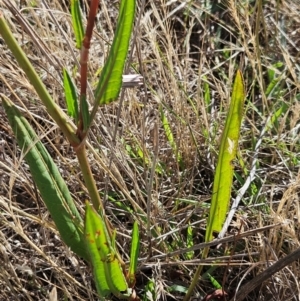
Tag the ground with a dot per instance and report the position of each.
(156, 148)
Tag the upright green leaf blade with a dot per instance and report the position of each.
(108, 273)
(94, 235)
(110, 81)
(116, 276)
(134, 254)
(169, 135)
(207, 98)
(190, 242)
(71, 96)
(85, 112)
(51, 185)
(77, 22)
(224, 171)
(214, 282)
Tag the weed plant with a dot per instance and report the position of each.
(154, 152)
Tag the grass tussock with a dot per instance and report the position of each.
(154, 151)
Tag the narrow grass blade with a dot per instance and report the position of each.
(189, 242)
(134, 254)
(169, 135)
(142, 156)
(77, 22)
(273, 77)
(224, 171)
(51, 185)
(71, 96)
(207, 98)
(214, 282)
(110, 80)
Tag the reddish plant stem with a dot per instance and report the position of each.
(84, 56)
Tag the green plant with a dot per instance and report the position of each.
(108, 265)
(224, 171)
(187, 53)
(93, 239)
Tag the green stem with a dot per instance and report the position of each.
(196, 276)
(52, 108)
(88, 178)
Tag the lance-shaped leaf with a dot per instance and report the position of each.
(108, 273)
(169, 135)
(95, 236)
(51, 185)
(71, 96)
(134, 254)
(110, 81)
(77, 22)
(224, 171)
(85, 112)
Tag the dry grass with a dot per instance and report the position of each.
(181, 48)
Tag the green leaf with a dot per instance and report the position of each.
(214, 282)
(77, 22)
(71, 96)
(190, 242)
(51, 185)
(141, 155)
(150, 291)
(177, 288)
(117, 281)
(108, 273)
(110, 81)
(169, 135)
(134, 254)
(207, 98)
(52, 108)
(224, 170)
(85, 112)
(95, 236)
